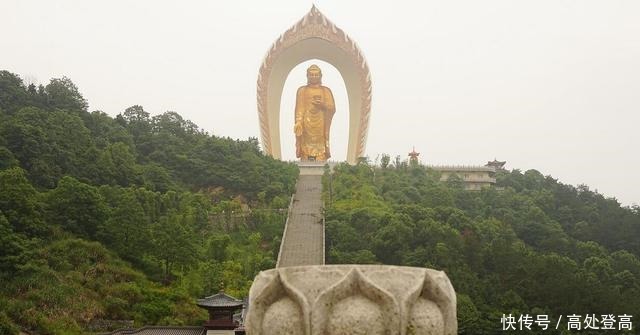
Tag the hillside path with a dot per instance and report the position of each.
(303, 238)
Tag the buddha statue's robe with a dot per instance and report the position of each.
(313, 121)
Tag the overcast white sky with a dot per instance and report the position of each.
(552, 85)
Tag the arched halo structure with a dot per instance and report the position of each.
(314, 37)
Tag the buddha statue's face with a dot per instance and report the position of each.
(314, 77)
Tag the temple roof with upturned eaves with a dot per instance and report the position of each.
(219, 300)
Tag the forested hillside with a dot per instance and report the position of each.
(125, 218)
(133, 217)
(537, 247)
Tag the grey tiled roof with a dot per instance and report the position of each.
(219, 300)
(161, 330)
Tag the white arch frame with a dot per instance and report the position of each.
(314, 37)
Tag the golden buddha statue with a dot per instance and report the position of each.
(314, 111)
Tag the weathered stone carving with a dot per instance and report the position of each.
(351, 299)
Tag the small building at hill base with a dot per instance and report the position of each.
(221, 308)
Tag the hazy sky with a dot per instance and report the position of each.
(552, 85)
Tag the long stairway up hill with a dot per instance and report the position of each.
(303, 238)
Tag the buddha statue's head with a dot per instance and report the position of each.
(314, 75)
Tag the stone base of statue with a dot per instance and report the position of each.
(311, 168)
(351, 299)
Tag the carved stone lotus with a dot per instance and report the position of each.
(351, 299)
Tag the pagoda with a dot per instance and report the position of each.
(221, 308)
(498, 165)
(413, 156)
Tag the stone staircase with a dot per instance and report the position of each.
(302, 295)
(303, 237)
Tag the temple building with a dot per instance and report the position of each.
(221, 308)
(497, 164)
(475, 177)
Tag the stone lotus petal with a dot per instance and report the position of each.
(276, 307)
(311, 282)
(406, 286)
(355, 305)
(438, 288)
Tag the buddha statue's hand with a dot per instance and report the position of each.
(318, 102)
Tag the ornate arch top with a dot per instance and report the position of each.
(314, 37)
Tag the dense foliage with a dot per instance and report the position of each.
(535, 247)
(125, 218)
(133, 217)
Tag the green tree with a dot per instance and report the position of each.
(173, 243)
(127, 230)
(13, 248)
(138, 124)
(7, 159)
(20, 203)
(384, 161)
(62, 93)
(117, 165)
(77, 207)
(106, 130)
(13, 95)
(49, 145)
